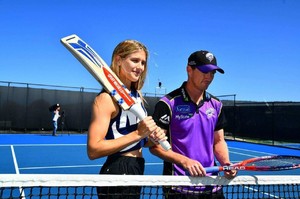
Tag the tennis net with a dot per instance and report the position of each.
(13, 186)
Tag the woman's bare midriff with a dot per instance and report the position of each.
(136, 153)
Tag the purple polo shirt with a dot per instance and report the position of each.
(190, 126)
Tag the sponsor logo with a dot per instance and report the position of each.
(165, 119)
(183, 109)
(228, 168)
(182, 117)
(209, 56)
(210, 112)
(184, 95)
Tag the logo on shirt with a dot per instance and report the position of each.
(182, 117)
(210, 112)
(183, 112)
(183, 109)
(165, 119)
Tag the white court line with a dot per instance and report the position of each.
(33, 145)
(246, 154)
(78, 166)
(242, 149)
(147, 164)
(16, 168)
(247, 150)
(14, 159)
(59, 167)
(264, 193)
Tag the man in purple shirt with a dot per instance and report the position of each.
(194, 122)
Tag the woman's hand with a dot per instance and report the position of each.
(146, 127)
(158, 135)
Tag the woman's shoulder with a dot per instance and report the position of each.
(104, 101)
(103, 97)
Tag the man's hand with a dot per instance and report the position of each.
(230, 174)
(194, 167)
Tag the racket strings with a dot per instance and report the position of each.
(276, 162)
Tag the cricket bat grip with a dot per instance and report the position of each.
(137, 110)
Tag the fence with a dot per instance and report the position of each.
(24, 108)
(267, 121)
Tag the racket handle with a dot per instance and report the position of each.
(212, 169)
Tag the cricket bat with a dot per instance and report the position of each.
(105, 76)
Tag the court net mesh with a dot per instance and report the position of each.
(146, 186)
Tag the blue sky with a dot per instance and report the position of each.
(256, 42)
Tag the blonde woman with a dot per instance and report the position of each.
(119, 134)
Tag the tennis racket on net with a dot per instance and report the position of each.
(265, 163)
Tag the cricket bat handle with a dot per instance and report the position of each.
(137, 110)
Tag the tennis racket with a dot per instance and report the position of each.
(265, 163)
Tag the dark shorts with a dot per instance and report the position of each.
(121, 165)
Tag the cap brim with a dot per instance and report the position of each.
(209, 68)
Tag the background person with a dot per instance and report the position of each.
(55, 117)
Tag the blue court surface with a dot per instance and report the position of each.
(66, 154)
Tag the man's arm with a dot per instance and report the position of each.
(192, 166)
(221, 152)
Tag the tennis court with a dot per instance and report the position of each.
(66, 154)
